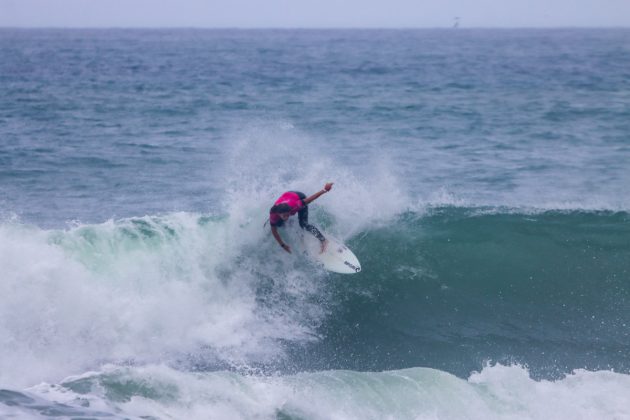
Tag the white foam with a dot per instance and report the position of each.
(497, 392)
(144, 289)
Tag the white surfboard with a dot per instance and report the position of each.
(336, 258)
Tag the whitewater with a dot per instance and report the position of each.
(480, 177)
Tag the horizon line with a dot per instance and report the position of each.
(289, 28)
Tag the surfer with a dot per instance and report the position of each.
(287, 205)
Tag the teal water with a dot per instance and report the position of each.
(459, 287)
(480, 177)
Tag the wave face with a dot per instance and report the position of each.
(448, 288)
(456, 286)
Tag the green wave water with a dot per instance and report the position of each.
(457, 286)
(448, 288)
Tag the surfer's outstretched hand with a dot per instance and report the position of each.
(328, 186)
(286, 248)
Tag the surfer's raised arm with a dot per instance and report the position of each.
(315, 196)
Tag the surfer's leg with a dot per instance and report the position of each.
(303, 219)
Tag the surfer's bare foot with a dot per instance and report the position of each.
(324, 245)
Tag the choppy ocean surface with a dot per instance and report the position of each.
(482, 177)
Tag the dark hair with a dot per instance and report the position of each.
(280, 208)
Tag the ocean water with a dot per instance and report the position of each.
(481, 177)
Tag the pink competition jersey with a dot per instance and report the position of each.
(290, 198)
